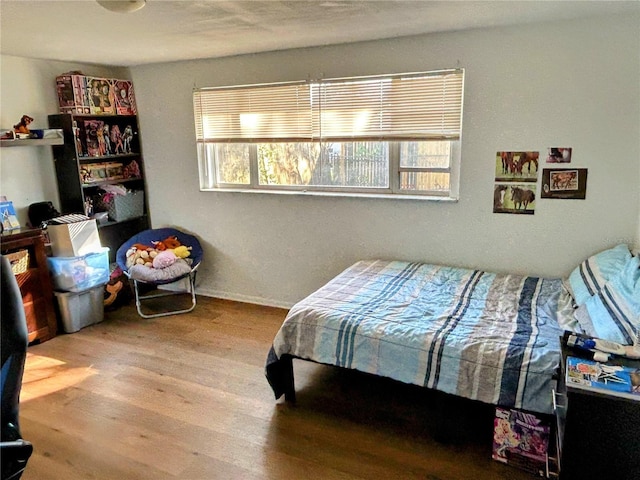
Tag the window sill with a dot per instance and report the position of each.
(314, 193)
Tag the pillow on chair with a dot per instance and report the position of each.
(160, 275)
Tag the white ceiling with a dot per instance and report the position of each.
(83, 31)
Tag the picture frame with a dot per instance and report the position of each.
(564, 183)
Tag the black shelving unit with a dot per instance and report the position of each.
(87, 161)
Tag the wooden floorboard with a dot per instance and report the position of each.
(185, 397)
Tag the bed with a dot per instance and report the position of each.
(484, 336)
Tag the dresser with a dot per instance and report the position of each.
(34, 282)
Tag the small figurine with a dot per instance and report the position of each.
(88, 207)
(23, 126)
(76, 134)
(127, 136)
(107, 138)
(116, 140)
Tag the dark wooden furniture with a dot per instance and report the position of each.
(35, 284)
(597, 432)
(79, 155)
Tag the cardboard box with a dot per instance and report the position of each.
(80, 94)
(74, 239)
(72, 94)
(521, 439)
(102, 98)
(114, 170)
(125, 98)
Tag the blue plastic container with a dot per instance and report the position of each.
(76, 274)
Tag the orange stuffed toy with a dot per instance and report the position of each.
(23, 126)
(168, 243)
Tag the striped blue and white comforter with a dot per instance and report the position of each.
(484, 336)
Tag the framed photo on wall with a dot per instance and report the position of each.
(565, 183)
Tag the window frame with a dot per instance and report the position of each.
(208, 162)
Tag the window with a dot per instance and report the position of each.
(392, 134)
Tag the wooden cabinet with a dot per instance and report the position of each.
(597, 432)
(35, 284)
(100, 150)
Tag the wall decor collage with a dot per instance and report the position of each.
(516, 177)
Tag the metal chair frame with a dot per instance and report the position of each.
(191, 278)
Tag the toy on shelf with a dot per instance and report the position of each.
(22, 128)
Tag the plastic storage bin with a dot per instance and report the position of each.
(77, 274)
(81, 309)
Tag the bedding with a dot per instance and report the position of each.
(480, 335)
(588, 278)
(614, 312)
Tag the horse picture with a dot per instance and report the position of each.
(559, 155)
(517, 166)
(499, 192)
(518, 198)
(567, 183)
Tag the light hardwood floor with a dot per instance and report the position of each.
(186, 397)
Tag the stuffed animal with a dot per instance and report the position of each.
(182, 251)
(23, 126)
(111, 292)
(159, 246)
(164, 259)
(168, 243)
(171, 242)
(139, 257)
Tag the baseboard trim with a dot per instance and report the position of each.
(267, 302)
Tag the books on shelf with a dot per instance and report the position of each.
(618, 380)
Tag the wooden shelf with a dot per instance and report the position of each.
(106, 158)
(110, 223)
(110, 182)
(32, 142)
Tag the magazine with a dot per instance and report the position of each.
(605, 378)
(9, 218)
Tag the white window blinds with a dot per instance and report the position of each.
(421, 106)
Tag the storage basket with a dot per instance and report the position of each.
(19, 261)
(124, 207)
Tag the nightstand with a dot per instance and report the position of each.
(598, 434)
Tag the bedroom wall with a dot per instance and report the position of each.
(27, 174)
(527, 88)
